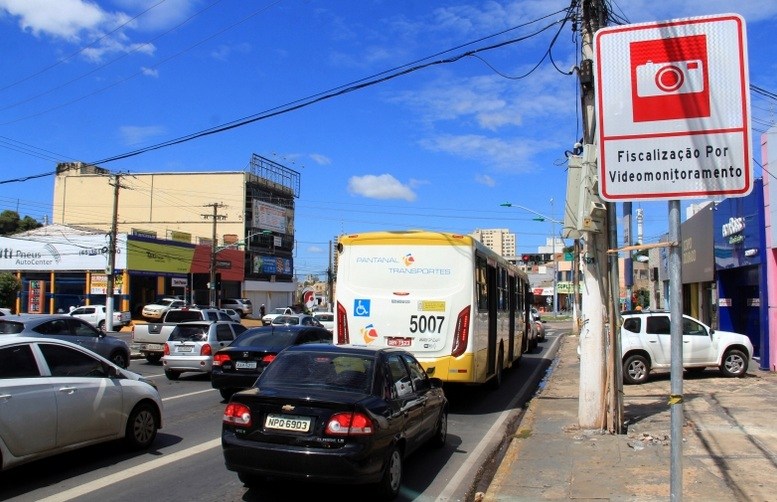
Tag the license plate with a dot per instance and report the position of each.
(287, 423)
(245, 365)
(155, 346)
(185, 348)
(399, 342)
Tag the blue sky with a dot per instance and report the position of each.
(438, 148)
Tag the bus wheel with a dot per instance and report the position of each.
(496, 382)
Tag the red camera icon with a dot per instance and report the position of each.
(670, 79)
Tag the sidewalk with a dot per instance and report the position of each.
(729, 441)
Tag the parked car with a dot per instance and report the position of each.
(40, 418)
(334, 414)
(327, 319)
(97, 314)
(296, 319)
(191, 345)
(157, 310)
(71, 329)
(233, 314)
(539, 327)
(645, 345)
(238, 366)
(242, 305)
(535, 314)
(268, 318)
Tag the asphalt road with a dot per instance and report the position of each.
(186, 462)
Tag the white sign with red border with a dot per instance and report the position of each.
(673, 101)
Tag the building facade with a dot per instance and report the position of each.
(250, 210)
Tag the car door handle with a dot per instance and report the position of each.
(67, 390)
(5, 397)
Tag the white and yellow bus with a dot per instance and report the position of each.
(460, 308)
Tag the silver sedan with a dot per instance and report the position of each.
(56, 396)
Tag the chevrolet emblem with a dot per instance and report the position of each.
(287, 407)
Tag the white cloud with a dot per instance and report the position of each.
(512, 155)
(320, 159)
(149, 72)
(65, 19)
(384, 186)
(485, 179)
(133, 135)
(315, 249)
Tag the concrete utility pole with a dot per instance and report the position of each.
(212, 293)
(597, 372)
(111, 268)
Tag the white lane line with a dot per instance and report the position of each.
(125, 474)
(187, 395)
(468, 466)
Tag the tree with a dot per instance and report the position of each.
(9, 289)
(10, 223)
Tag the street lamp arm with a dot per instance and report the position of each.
(510, 204)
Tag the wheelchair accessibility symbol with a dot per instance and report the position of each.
(361, 308)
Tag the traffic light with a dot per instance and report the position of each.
(536, 258)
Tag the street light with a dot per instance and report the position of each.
(542, 217)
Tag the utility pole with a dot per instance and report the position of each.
(111, 268)
(212, 293)
(597, 408)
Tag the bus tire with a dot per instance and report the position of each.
(496, 381)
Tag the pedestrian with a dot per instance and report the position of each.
(262, 310)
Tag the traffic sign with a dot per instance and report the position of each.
(673, 103)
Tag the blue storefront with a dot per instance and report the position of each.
(740, 263)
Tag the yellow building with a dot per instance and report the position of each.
(251, 210)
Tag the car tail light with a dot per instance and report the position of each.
(218, 359)
(237, 414)
(267, 359)
(206, 350)
(342, 325)
(167, 350)
(349, 424)
(461, 335)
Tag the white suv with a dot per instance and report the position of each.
(645, 345)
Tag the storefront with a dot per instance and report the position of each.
(60, 267)
(740, 243)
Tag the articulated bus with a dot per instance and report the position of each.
(460, 308)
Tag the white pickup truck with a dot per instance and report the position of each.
(96, 316)
(150, 338)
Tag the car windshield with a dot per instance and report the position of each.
(348, 372)
(189, 334)
(269, 339)
(324, 317)
(10, 327)
(279, 311)
(286, 319)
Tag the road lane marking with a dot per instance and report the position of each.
(469, 466)
(187, 395)
(125, 474)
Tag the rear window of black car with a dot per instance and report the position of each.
(265, 339)
(347, 372)
(189, 334)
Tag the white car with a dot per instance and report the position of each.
(267, 319)
(327, 319)
(233, 314)
(646, 345)
(157, 310)
(56, 396)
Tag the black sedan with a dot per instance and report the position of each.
(238, 366)
(334, 414)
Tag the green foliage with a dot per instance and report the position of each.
(10, 223)
(9, 288)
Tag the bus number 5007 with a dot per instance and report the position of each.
(426, 323)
